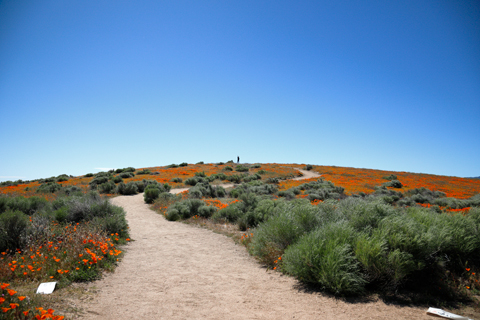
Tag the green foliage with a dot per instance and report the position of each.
(107, 187)
(185, 209)
(256, 166)
(127, 189)
(192, 181)
(234, 178)
(288, 222)
(200, 174)
(49, 187)
(183, 164)
(229, 214)
(117, 179)
(151, 193)
(126, 175)
(13, 225)
(241, 168)
(325, 257)
(393, 184)
(228, 168)
(144, 171)
(89, 175)
(308, 167)
(26, 205)
(390, 177)
(62, 177)
(178, 180)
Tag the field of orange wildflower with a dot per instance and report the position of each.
(356, 180)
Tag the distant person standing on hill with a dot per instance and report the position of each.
(238, 159)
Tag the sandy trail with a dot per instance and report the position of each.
(178, 271)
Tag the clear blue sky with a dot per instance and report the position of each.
(86, 85)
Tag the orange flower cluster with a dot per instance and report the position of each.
(73, 246)
(13, 307)
(218, 204)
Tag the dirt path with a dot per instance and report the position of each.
(178, 271)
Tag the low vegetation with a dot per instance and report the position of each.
(350, 232)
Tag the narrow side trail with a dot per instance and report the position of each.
(178, 271)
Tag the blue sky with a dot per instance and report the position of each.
(87, 85)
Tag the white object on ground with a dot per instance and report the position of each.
(445, 314)
(46, 287)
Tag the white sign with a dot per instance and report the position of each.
(445, 314)
(46, 287)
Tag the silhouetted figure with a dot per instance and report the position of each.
(238, 159)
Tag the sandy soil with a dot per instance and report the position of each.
(178, 271)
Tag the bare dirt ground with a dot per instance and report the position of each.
(177, 271)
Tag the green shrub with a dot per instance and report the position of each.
(49, 187)
(62, 177)
(13, 225)
(117, 179)
(261, 172)
(191, 181)
(288, 222)
(127, 189)
(107, 187)
(88, 175)
(228, 168)
(61, 214)
(151, 194)
(183, 164)
(184, 209)
(178, 180)
(241, 168)
(200, 174)
(144, 171)
(71, 190)
(206, 211)
(112, 224)
(325, 257)
(27, 205)
(229, 214)
(234, 178)
(308, 167)
(256, 165)
(393, 184)
(126, 175)
(200, 162)
(390, 177)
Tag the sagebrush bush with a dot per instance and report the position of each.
(27, 205)
(241, 168)
(62, 177)
(288, 222)
(144, 171)
(325, 257)
(151, 193)
(49, 187)
(178, 180)
(13, 225)
(117, 179)
(127, 189)
(126, 175)
(107, 187)
(184, 209)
